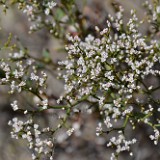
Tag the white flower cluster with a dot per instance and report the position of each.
(98, 60)
(99, 129)
(110, 70)
(22, 76)
(36, 10)
(153, 15)
(156, 13)
(70, 131)
(17, 75)
(121, 144)
(34, 135)
(155, 137)
(14, 105)
(49, 7)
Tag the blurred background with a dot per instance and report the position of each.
(87, 146)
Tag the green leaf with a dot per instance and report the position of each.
(46, 56)
(59, 14)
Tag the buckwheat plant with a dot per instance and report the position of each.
(105, 73)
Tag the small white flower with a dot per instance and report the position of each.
(34, 77)
(70, 131)
(14, 105)
(47, 11)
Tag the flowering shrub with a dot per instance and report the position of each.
(105, 71)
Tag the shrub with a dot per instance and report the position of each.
(106, 70)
